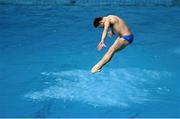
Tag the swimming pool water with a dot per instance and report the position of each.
(47, 53)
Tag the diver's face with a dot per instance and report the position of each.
(101, 24)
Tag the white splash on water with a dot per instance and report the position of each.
(118, 87)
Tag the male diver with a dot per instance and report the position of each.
(117, 26)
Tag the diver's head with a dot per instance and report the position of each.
(99, 22)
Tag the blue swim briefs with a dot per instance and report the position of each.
(129, 38)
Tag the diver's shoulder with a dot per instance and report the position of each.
(112, 16)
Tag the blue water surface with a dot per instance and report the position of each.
(47, 52)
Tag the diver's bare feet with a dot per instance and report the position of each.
(95, 69)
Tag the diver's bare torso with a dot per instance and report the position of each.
(118, 26)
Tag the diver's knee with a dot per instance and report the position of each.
(111, 50)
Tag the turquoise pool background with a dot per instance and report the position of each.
(47, 51)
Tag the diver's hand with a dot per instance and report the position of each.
(101, 45)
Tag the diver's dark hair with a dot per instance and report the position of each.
(97, 21)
